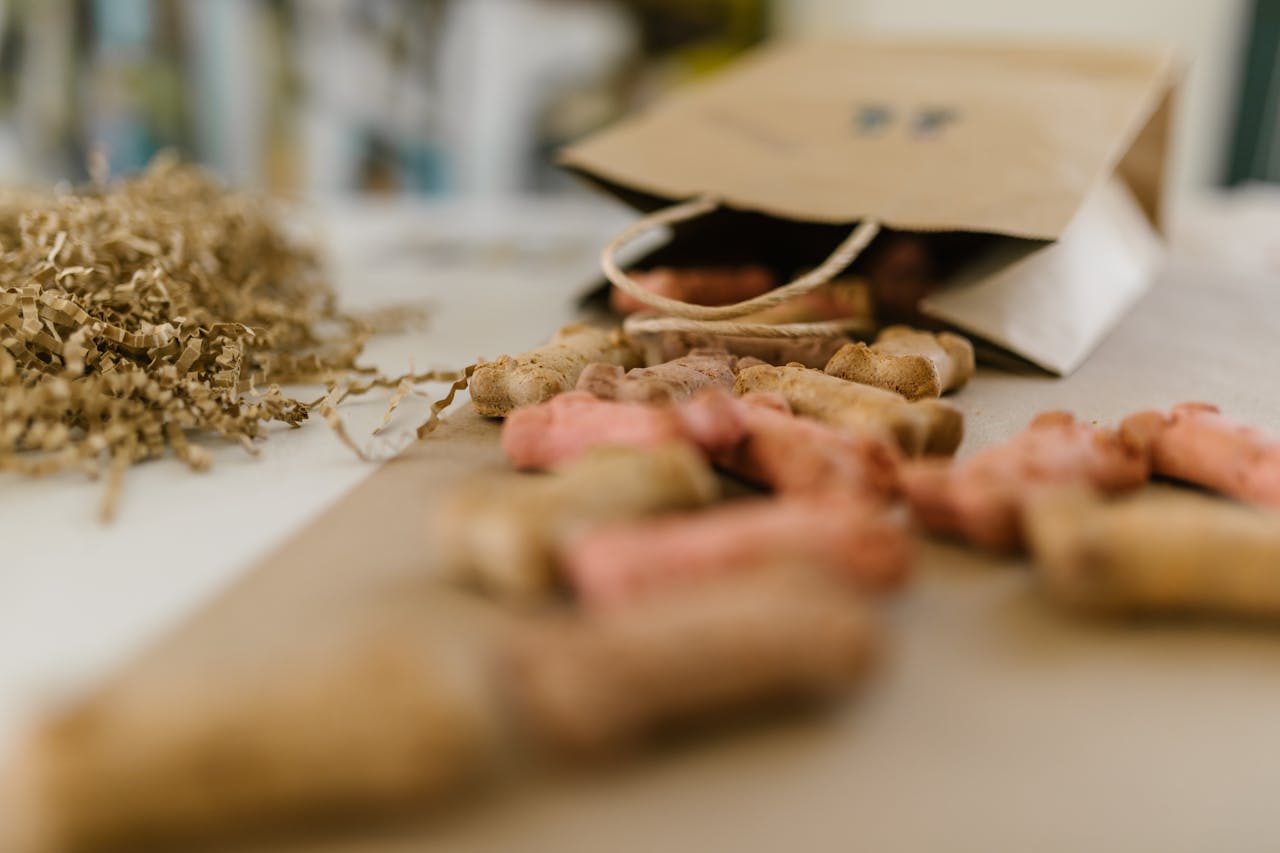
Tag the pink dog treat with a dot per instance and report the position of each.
(699, 286)
(981, 499)
(841, 299)
(854, 539)
(670, 382)
(565, 427)
(1196, 443)
(794, 455)
(597, 682)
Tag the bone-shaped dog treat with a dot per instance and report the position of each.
(1196, 443)
(669, 382)
(907, 361)
(603, 681)
(390, 719)
(795, 455)
(857, 540)
(499, 386)
(659, 347)
(504, 533)
(566, 426)
(1157, 553)
(698, 286)
(980, 499)
(923, 426)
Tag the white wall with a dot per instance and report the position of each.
(1208, 33)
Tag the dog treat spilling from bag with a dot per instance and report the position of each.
(566, 426)
(696, 285)
(1175, 553)
(907, 361)
(603, 681)
(661, 347)
(1198, 444)
(921, 427)
(670, 382)
(795, 455)
(499, 386)
(389, 720)
(855, 539)
(504, 533)
(980, 499)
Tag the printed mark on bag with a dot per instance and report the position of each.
(922, 123)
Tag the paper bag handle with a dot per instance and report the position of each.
(719, 319)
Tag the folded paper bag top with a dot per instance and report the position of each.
(1019, 141)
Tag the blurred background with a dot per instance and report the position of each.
(469, 97)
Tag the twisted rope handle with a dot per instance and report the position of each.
(719, 319)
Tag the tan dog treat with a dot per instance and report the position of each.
(1198, 444)
(907, 361)
(604, 681)
(697, 286)
(980, 499)
(1164, 553)
(566, 426)
(499, 386)
(794, 455)
(391, 721)
(659, 347)
(855, 539)
(670, 382)
(923, 426)
(504, 533)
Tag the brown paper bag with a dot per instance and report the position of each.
(1062, 151)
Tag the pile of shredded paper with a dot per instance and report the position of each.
(143, 316)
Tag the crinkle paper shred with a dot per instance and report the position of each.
(137, 316)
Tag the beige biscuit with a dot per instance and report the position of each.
(907, 361)
(1158, 553)
(388, 719)
(503, 534)
(920, 427)
(499, 386)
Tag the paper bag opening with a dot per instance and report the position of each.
(1010, 160)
